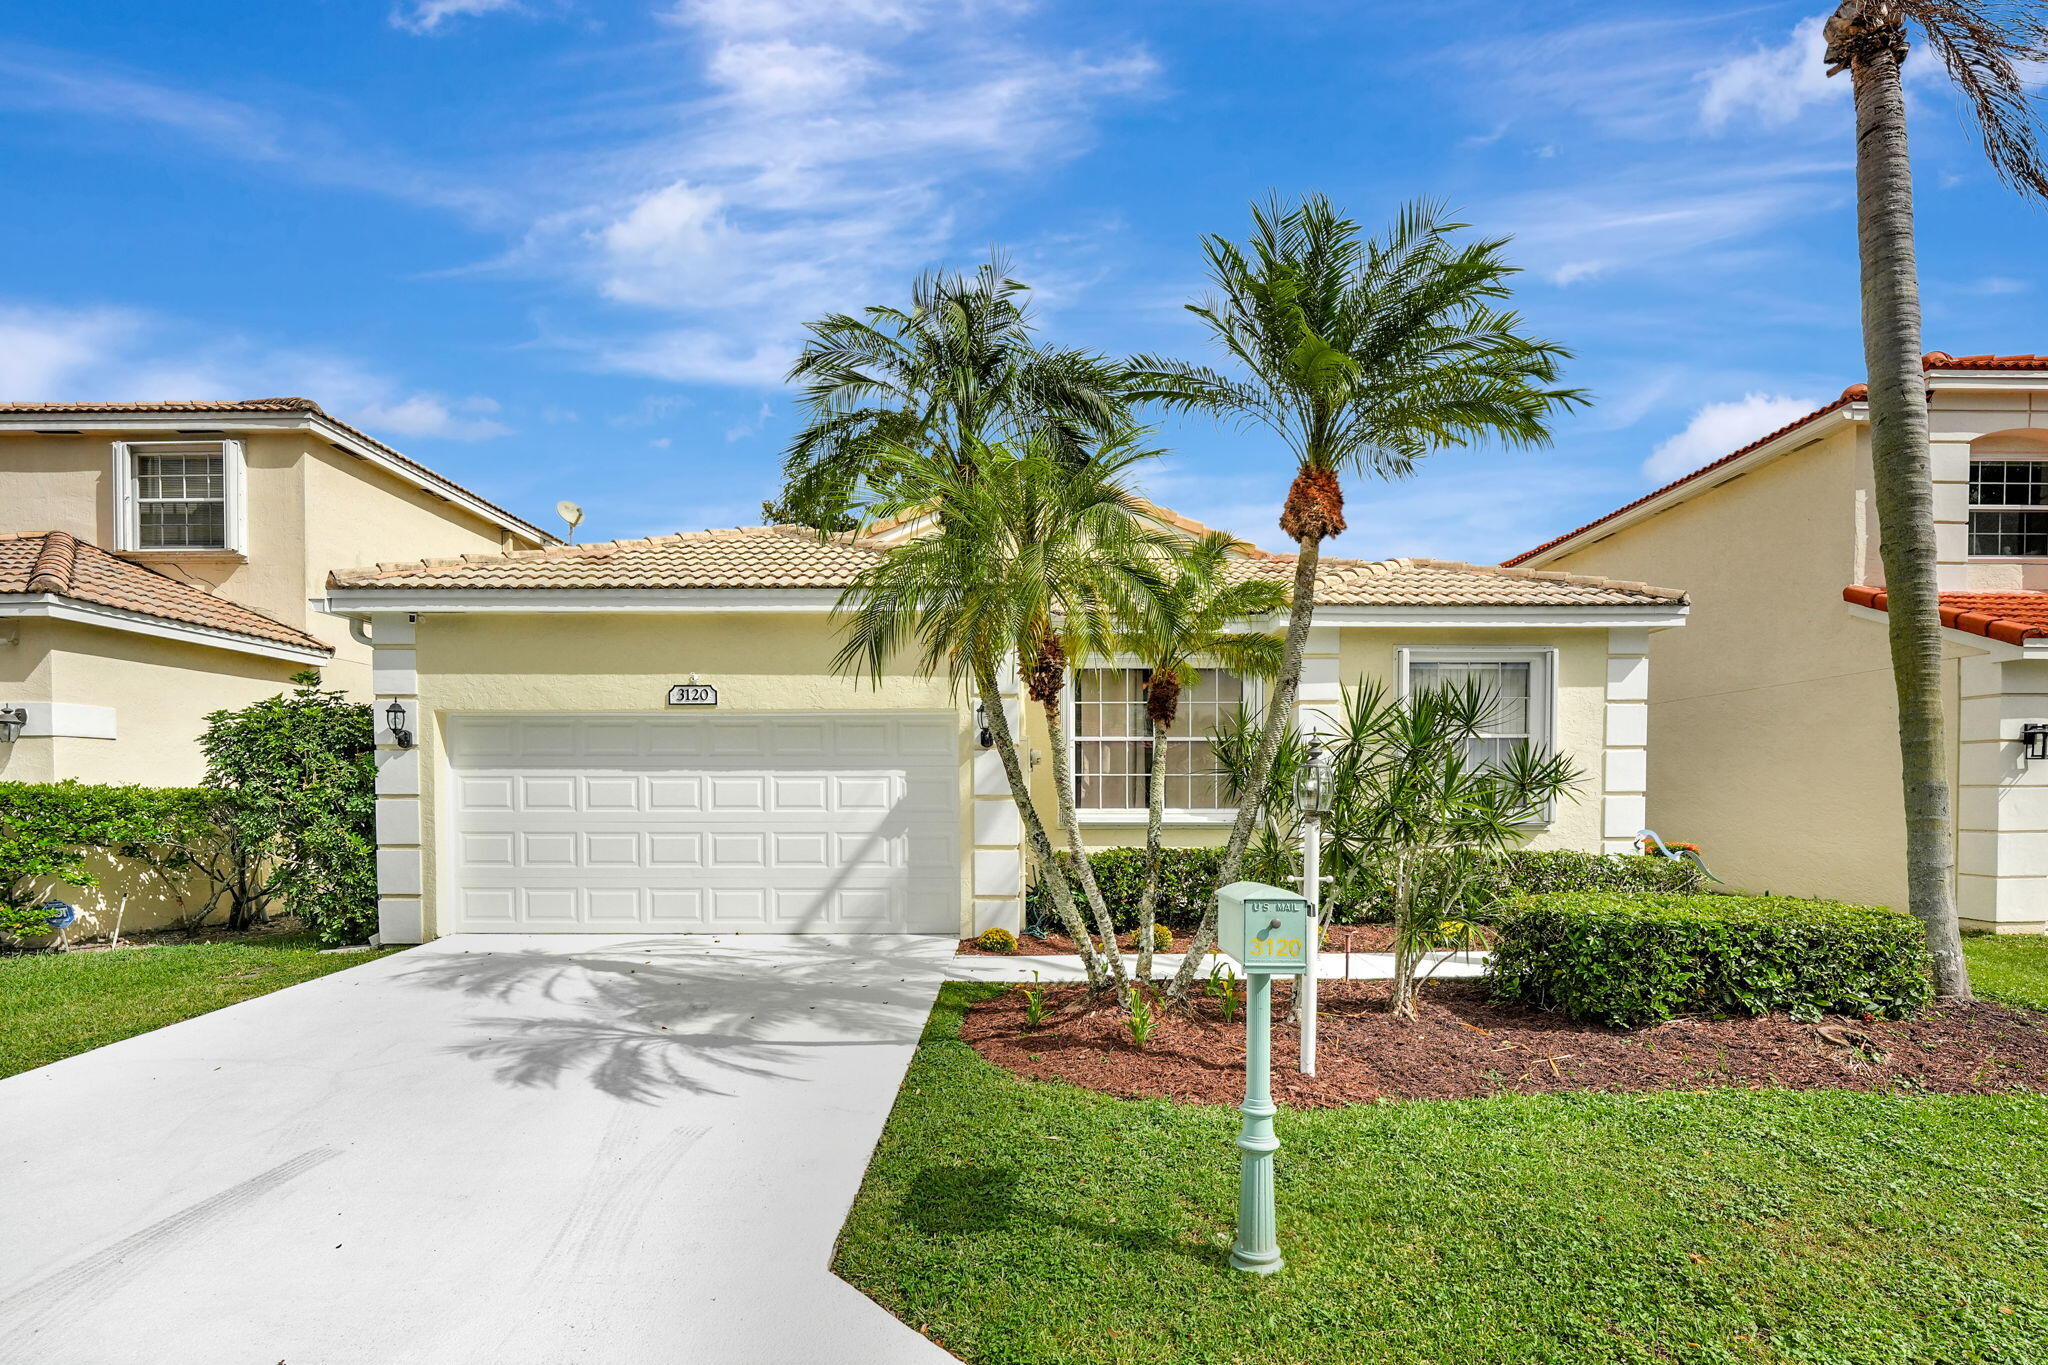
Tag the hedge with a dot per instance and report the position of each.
(1629, 960)
(1187, 882)
(51, 833)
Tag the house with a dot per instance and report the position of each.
(157, 562)
(1773, 722)
(649, 736)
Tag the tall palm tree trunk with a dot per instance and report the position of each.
(1286, 685)
(1034, 830)
(1905, 498)
(1155, 818)
(1077, 852)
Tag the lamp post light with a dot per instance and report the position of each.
(1312, 791)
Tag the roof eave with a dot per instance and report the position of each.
(57, 607)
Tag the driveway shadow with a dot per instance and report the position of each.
(643, 1019)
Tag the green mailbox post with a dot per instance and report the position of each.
(1264, 930)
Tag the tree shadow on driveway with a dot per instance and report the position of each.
(644, 1019)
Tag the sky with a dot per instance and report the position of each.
(565, 249)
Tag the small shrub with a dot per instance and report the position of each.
(1162, 939)
(1142, 1020)
(1629, 960)
(1034, 1002)
(996, 941)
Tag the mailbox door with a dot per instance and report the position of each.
(1271, 947)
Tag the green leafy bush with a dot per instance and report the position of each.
(996, 941)
(302, 770)
(1187, 881)
(1162, 939)
(57, 834)
(1629, 960)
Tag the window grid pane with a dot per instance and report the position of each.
(1112, 753)
(1507, 728)
(181, 499)
(2009, 508)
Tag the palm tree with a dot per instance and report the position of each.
(1361, 356)
(1986, 46)
(1194, 621)
(1035, 553)
(952, 372)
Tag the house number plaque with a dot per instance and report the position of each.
(693, 694)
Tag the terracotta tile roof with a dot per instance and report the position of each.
(58, 562)
(1855, 393)
(741, 557)
(305, 405)
(792, 557)
(2009, 616)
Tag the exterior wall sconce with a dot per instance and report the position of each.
(394, 716)
(12, 718)
(2034, 741)
(983, 735)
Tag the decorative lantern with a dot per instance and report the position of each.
(1314, 780)
(983, 735)
(394, 716)
(12, 718)
(2034, 738)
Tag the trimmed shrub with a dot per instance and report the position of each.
(1162, 938)
(996, 941)
(1629, 960)
(1187, 882)
(52, 833)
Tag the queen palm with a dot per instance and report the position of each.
(1362, 356)
(1037, 550)
(953, 371)
(1195, 620)
(1986, 45)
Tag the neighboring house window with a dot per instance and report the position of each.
(1518, 680)
(1112, 741)
(179, 495)
(2009, 508)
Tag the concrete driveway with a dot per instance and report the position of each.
(506, 1149)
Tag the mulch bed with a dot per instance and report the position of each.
(1466, 1046)
(1355, 938)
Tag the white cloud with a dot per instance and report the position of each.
(426, 16)
(2000, 284)
(1773, 85)
(53, 354)
(827, 156)
(1721, 428)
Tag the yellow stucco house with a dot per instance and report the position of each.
(1773, 730)
(158, 561)
(648, 736)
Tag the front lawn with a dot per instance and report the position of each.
(2009, 968)
(1017, 1221)
(57, 1004)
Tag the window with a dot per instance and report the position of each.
(1519, 681)
(179, 495)
(1112, 744)
(2009, 508)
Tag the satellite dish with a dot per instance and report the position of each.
(571, 513)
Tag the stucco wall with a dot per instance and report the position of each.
(583, 663)
(1370, 653)
(1773, 737)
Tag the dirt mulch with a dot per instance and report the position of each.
(1465, 1046)
(1353, 938)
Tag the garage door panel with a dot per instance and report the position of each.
(805, 824)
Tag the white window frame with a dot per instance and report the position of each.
(127, 507)
(1974, 507)
(1542, 661)
(1254, 702)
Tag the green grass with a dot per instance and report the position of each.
(1019, 1222)
(55, 1005)
(2011, 969)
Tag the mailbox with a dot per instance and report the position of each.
(1262, 928)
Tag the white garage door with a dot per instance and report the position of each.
(702, 824)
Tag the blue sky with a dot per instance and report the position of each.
(564, 248)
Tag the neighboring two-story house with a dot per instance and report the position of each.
(157, 561)
(1773, 722)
